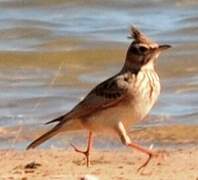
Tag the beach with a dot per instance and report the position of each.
(109, 159)
(51, 57)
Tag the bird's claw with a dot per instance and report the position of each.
(145, 163)
(78, 150)
(86, 154)
(160, 155)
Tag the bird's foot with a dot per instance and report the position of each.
(85, 153)
(159, 155)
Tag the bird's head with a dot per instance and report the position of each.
(143, 51)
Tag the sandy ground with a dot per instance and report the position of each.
(180, 164)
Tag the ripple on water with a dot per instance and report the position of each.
(27, 95)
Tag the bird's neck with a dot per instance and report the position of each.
(135, 68)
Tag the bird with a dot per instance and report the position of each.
(119, 102)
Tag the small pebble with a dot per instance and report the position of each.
(32, 165)
(89, 177)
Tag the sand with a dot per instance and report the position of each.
(180, 164)
(111, 162)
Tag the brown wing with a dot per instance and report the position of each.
(106, 94)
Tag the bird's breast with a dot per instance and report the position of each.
(146, 87)
(144, 92)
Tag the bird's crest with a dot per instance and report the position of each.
(139, 37)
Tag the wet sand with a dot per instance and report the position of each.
(180, 164)
(171, 135)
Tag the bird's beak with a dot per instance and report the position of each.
(164, 47)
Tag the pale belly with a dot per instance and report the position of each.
(106, 121)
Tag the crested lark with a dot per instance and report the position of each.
(119, 102)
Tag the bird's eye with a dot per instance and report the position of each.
(134, 50)
(143, 49)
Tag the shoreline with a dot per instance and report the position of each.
(170, 135)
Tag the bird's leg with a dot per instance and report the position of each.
(143, 150)
(126, 141)
(89, 147)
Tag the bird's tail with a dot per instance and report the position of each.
(72, 125)
(44, 137)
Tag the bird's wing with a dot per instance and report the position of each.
(104, 95)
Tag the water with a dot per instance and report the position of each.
(53, 52)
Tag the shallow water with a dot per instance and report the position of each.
(53, 52)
